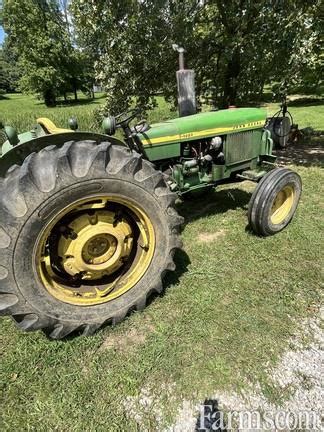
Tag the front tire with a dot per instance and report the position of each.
(87, 232)
(274, 201)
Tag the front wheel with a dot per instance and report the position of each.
(274, 201)
(86, 233)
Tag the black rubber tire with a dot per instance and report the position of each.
(263, 196)
(46, 182)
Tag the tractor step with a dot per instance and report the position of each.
(252, 175)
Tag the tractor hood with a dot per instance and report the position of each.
(204, 125)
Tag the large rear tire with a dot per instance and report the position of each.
(87, 232)
(274, 201)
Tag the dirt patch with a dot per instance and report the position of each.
(130, 338)
(210, 237)
(146, 407)
(299, 370)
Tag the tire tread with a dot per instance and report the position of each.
(41, 173)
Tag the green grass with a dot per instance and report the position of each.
(226, 316)
(21, 111)
(304, 116)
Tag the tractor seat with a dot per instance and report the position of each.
(50, 128)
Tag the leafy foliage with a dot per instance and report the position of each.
(39, 35)
(9, 71)
(132, 43)
(255, 42)
(235, 46)
(6, 78)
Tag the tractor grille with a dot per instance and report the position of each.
(242, 146)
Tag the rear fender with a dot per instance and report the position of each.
(18, 154)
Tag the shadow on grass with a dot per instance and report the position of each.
(308, 152)
(181, 260)
(260, 101)
(306, 101)
(214, 202)
(72, 102)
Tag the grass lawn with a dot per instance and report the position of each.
(21, 111)
(225, 318)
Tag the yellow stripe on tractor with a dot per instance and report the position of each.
(203, 133)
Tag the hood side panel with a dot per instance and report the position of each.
(204, 125)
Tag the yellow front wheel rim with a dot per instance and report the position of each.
(95, 250)
(282, 205)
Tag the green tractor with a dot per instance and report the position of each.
(88, 223)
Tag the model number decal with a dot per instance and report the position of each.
(186, 135)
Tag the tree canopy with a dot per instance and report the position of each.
(38, 32)
(235, 46)
(9, 74)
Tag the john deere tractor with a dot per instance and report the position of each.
(88, 222)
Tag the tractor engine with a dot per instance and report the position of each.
(197, 161)
(203, 149)
(203, 153)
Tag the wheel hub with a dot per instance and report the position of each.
(96, 245)
(95, 250)
(282, 205)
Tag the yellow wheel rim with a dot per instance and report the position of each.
(95, 250)
(282, 205)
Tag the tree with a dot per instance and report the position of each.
(9, 71)
(3, 76)
(131, 41)
(308, 64)
(254, 42)
(235, 46)
(40, 36)
(10, 65)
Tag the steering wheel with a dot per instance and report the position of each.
(126, 116)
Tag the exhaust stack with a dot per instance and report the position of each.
(186, 86)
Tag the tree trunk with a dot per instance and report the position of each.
(75, 93)
(49, 98)
(231, 80)
(261, 87)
